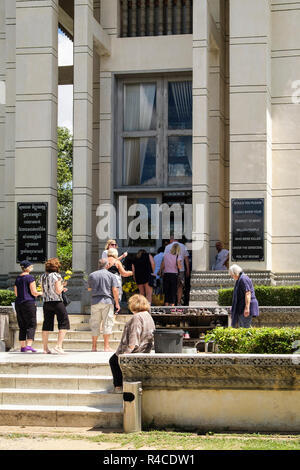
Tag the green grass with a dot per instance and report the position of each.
(162, 440)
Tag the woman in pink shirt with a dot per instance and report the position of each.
(170, 267)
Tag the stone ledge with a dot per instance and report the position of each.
(213, 371)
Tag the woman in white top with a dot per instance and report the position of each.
(115, 267)
(112, 244)
(52, 288)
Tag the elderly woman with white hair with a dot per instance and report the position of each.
(244, 302)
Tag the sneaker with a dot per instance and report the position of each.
(23, 349)
(30, 349)
(118, 390)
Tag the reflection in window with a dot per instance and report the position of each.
(180, 105)
(139, 164)
(180, 159)
(140, 107)
(144, 239)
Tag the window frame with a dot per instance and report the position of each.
(162, 132)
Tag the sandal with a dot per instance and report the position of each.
(57, 350)
(47, 352)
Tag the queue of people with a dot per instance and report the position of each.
(169, 268)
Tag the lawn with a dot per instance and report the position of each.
(163, 440)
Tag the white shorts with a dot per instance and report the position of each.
(102, 313)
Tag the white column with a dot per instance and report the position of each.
(83, 135)
(36, 107)
(250, 110)
(2, 132)
(95, 167)
(10, 109)
(109, 19)
(200, 137)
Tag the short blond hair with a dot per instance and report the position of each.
(175, 250)
(112, 252)
(138, 303)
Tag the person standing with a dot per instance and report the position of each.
(53, 286)
(184, 272)
(222, 258)
(171, 267)
(244, 303)
(112, 244)
(143, 267)
(25, 306)
(115, 267)
(104, 288)
(137, 336)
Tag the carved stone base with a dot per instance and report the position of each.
(205, 284)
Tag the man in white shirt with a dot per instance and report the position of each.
(222, 258)
(185, 270)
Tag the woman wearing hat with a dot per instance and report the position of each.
(26, 292)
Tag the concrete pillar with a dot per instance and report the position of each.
(250, 110)
(95, 171)
(200, 137)
(2, 131)
(83, 135)
(36, 108)
(10, 113)
(109, 22)
(217, 164)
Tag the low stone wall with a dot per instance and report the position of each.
(217, 392)
(8, 326)
(275, 316)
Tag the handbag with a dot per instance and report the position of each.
(152, 281)
(65, 299)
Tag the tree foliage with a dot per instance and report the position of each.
(64, 196)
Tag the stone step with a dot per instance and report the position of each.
(84, 326)
(70, 345)
(93, 398)
(55, 365)
(77, 335)
(51, 382)
(107, 417)
(59, 391)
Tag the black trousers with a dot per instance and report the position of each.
(26, 317)
(116, 371)
(170, 288)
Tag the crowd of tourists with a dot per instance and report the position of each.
(168, 270)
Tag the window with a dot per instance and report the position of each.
(153, 147)
(154, 133)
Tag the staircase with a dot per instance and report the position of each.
(70, 390)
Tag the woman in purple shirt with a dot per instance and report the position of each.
(26, 292)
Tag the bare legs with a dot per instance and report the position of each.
(146, 291)
(60, 339)
(107, 348)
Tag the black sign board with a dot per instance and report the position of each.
(32, 231)
(247, 229)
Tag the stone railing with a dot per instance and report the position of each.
(155, 17)
(217, 391)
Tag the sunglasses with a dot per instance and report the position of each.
(113, 244)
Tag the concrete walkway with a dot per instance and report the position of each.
(76, 357)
